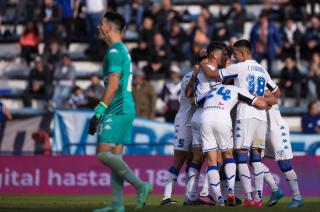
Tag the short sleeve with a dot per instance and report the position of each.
(271, 85)
(114, 61)
(245, 96)
(229, 72)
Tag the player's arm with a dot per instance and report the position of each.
(225, 73)
(270, 98)
(190, 86)
(272, 87)
(114, 69)
(250, 99)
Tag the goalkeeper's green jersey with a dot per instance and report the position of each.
(118, 60)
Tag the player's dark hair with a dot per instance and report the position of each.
(117, 19)
(243, 44)
(214, 46)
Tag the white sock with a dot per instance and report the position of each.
(205, 188)
(238, 189)
(214, 180)
(293, 183)
(230, 171)
(245, 179)
(268, 178)
(193, 180)
(258, 174)
(171, 179)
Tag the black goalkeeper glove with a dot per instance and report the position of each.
(94, 123)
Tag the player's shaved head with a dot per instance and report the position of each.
(243, 45)
(116, 20)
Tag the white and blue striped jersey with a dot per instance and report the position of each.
(186, 110)
(252, 77)
(220, 100)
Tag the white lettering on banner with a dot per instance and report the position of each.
(10, 177)
(91, 178)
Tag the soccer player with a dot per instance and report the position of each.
(115, 113)
(216, 133)
(201, 85)
(182, 139)
(251, 124)
(278, 147)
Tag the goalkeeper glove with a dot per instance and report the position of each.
(95, 120)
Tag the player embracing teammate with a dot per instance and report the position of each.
(255, 92)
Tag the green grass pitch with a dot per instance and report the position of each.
(49, 203)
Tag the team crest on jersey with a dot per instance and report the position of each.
(113, 51)
(280, 154)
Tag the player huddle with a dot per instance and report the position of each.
(204, 127)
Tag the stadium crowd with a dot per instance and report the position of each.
(285, 36)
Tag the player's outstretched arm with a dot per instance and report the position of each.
(191, 83)
(207, 71)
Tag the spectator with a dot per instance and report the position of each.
(39, 83)
(64, 75)
(311, 122)
(155, 73)
(144, 96)
(160, 49)
(165, 17)
(292, 37)
(52, 54)
(68, 13)
(136, 6)
(274, 9)
(178, 41)
(25, 8)
(266, 41)
(146, 35)
(42, 143)
(77, 98)
(170, 94)
(314, 78)
(94, 10)
(94, 92)
(312, 39)
(201, 32)
(234, 19)
(51, 15)
(29, 41)
(296, 9)
(290, 81)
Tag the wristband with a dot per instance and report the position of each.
(100, 109)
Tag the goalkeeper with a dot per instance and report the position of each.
(115, 113)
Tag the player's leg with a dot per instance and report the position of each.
(269, 152)
(243, 140)
(292, 179)
(230, 172)
(193, 176)
(119, 131)
(214, 177)
(258, 173)
(172, 175)
(260, 132)
(182, 146)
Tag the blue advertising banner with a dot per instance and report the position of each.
(148, 137)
